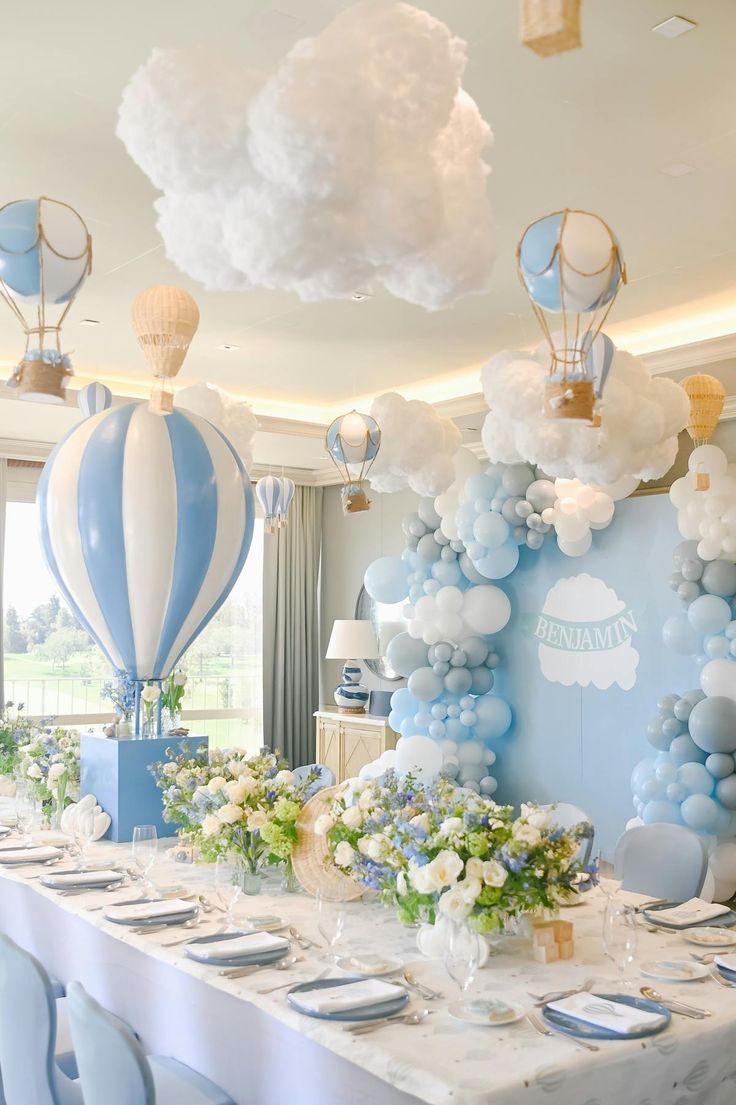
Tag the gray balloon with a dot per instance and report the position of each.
(719, 578)
(720, 765)
(405, 654)
(428, 514)
(686, 550)
(726, 792)
(428, 548)
(712, 724)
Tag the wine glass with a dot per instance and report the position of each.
(330, 921)
(84, 830)
(462, 955)
(25, 814)
(229, 885)
(620, 937)
(608, 883)
(145, 840)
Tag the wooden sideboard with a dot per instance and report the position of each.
(347, 742)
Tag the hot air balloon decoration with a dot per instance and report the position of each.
(165, 319)
(275, 494)
(94, 398)
(707, 396)
(45, 257)
(353, 441)
(570, 264)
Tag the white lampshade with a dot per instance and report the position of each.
(352, 640)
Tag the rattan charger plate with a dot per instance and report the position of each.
(310, 852)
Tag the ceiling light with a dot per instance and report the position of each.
(228, 348)
(675, 26)
(678, 168)
(89, 322)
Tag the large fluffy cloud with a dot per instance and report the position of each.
(417, 446)
(359, 159)
(234, 417)
(641, 417)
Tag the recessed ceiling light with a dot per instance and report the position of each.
(675, 26)
(678, 168)
(228, 348)
(89, 322)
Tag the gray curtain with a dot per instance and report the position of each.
(3, 500)
(291, 659)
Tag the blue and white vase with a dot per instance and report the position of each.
(352, 696)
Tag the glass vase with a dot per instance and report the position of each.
(251, 881)
(170, 720)
(289, 882)
(150, 726)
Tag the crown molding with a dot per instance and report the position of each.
(695, 355)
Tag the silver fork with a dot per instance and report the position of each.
(288, 985)
(717, 977)
(557, 995)
(546, 1030)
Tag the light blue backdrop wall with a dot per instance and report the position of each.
(579, 744)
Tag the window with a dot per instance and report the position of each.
(53, 666)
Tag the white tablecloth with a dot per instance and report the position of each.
(263, 1053)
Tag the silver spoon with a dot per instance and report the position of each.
(282, 965)
(209, 906)
(407, 1018)
(303, 941)
(73, 891)
(145, 930)
(425, 992)
(675, 1006)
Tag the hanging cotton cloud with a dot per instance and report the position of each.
(417, 446)
(359, 159)
(641, 417)
(234, 417)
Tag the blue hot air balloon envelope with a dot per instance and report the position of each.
(32, 231)
(146, 523)
(571, 261)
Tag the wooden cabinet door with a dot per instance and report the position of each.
(328, 745)
(361, 745)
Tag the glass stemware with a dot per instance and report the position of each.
(145, 841)
(25, 814)
(84, 830)
(229, 885)
(330, 922)
(620, 938)
(462, 955)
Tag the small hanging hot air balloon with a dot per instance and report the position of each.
(275, 494)
(571, 265)
(287, 494)
(45, 257)
(707, 396)
(165, 318)
(353, 440)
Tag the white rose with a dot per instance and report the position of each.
(376, 847)
(540, 819)
(470, 889)
(256, 820)
(216, 784)
(367, 799)
(180, 679)
(401, 886)
(526, 834)
(352, 818)
(323, 824)
(284, 778)
(34, 772)
(451, 825)
(420, 878)
(55, 772)
(170, 769)
(474, 868)
(234, 791)
(211, 825)
(344, 854)
(236, 767)
(494, 873)
(421, 821)
(446, 869)
(230, 813)
(454, 905)
(363, 845)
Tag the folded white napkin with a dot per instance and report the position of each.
(29, 855)
(81, 878)
(369, 964)
(341, 999)
(727, 961)
(690, 913)
(142, 911)
(592, 1010)
(253, 944)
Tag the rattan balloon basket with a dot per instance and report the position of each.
(570, 400)
(310, 855)
(36, 378)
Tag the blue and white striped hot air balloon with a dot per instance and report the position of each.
(145, 525)
(268, 490)
(94, 398)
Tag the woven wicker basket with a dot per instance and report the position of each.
(354, 497)
(165, 319)
(43, 380)
(572, 400)
(707, 396)
(310, 853)
(550, 26)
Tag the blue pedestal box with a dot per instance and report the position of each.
(116, 772)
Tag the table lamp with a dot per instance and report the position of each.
(349, 639)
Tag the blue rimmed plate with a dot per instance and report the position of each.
(365, 1013)
(574, 1027)
(168, 919)
(51, 881)
(255, 959)
(651, 912)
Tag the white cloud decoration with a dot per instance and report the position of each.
(359, 159)
(417, 446)
(708, 514)
(641, 417)
(233, 416)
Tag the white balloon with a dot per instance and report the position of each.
(723, 862)
(419, 755)
(449, 600)
(708, 458)
(718, 679)
(486, 609)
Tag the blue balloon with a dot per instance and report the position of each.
(679, 635)
(500, 562)
(427, 549)
(458, 681)
(387, 579)
(425, 685)
(539, 264)
(65, 250)
(717, 648)
(701, 813)
(405, 654)
(684, 750)
(482, 681)
(448, 573)
(494, 717)
(719, 578)
(726, 792)
(695, 778)
(403, 704)
(491, 530)
(720, 765)
(712, 724)
(659, 810)
(95, 398)
(709, 614)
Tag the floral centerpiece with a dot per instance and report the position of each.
(15, 730)
(434, 849)
(234, 803)
(122, 695)
(50, 764)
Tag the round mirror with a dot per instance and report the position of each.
(387, 620)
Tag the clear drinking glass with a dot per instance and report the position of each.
(620, 938)
(228, 884)
(462, 954)
(145, 840)
(84, 830)
(25, 814)
(330, 921)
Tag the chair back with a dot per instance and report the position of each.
(568, 816)
(27, 1030)
(326, 777)
(662, 860)
(112, 1065)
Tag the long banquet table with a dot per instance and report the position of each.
(264, 1053)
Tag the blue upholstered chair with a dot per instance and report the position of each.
(326, 777)
(36, 1056)
(114, 1070)
(662, 860)
(568, 816)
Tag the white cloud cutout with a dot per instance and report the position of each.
(233, 416)
(417, 446)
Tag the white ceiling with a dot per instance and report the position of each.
(592, 129)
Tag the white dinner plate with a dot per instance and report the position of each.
(711, 937)
(674, 970)
(388, 967)
(494, 1015)
(570, 903)
(264, 923)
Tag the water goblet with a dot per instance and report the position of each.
(25, 814)
(229, 885)
(84, 830)
(145, 841)
(620, 938)
(330, 922)
(462, 955)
